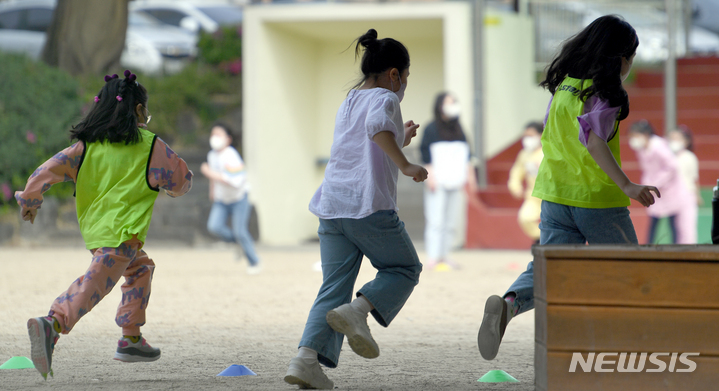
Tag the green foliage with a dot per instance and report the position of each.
(174, 100)
(222, 46)
(38, 105)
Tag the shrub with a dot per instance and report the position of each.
(38, 105)
(223, 49)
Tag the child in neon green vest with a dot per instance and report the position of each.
(118, 168)
(584, 191)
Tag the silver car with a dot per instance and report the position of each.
(150, 46)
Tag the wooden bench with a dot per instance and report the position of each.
(631, 299)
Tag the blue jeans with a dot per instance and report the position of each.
(380, 237)
(562, 224)
(240, 212)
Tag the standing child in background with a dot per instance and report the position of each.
(445, 154)
(524, 171)
(659, 166)
(228, 193)
(584, 191)
(357, 208)
(119, 168)
(681, 142)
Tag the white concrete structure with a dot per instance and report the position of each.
(298, 66)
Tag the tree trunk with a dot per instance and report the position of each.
(86, 36)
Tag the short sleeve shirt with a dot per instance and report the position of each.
(360, 178)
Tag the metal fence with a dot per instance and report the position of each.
(556, 21)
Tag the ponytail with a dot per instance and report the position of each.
(380, 55)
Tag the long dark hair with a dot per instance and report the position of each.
(688, 136)
(380, 55)
(448, 130)
(112, 117)
(596, 53)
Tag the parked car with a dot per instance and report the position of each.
(192, 16)
(150, 46)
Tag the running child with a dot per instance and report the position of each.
(357, 208)
(584, 191)
(118, 167)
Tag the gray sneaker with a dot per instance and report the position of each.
(140, 351)
(43, 338)
(353, 324)
(307, 375)
(493, 325)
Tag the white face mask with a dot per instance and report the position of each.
(530, 143)
(452, 110)
(676, 146)
(637, 143)
(217, 142)
(400, 92)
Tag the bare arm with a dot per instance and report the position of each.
(601, 153)
(386, 141)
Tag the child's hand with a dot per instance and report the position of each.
(410, 130)
(205, 169)
(418, 173)
(641, 193)
(29, 214)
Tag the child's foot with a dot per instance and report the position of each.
(254, 270)
(353, 324)
(43, 338)
(307, 375)
(139, 351)
(493, 325)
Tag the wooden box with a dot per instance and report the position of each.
(626, 299)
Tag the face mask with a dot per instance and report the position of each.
(637, 143)
(217, 142)
(676, 146)
(402, 87)
(530, 143)
(451, 111)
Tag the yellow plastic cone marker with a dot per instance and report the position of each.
(17, 362)
(497, 376)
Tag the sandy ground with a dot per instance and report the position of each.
(206, 314)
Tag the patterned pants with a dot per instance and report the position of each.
(107, 266)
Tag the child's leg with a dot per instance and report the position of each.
(652, 229)
(217, 222)
(240, 218)
(132, 347)
(107, 266)
(135, 293)
(673, 228)
(384, 240)
(453, 205)
(687, 224)
(341, 261)
(557, 227)
(606, 226)
(434, 202)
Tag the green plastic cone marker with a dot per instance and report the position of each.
(17, 362)
(497, 376)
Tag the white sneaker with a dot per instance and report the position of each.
(353, 324)
(254, 270)
(307, 375)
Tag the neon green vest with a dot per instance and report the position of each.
(114, 198)
(568, 174)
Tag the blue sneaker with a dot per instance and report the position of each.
(43, 338)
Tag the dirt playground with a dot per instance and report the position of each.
(206, 314)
